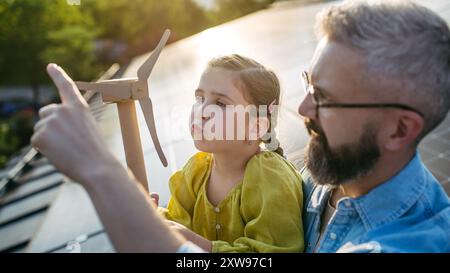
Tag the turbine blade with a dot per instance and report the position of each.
(147, 109)
(144, 71)
(88, 86)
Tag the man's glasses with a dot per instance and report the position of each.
(317, 100)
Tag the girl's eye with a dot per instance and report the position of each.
(199, 98)
(221, 104)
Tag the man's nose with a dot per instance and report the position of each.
(307, 108)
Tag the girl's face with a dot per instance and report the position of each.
(214, 126)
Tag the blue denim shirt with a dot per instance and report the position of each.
(408, 213)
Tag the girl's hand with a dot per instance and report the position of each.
(190, 235)
(155, 197)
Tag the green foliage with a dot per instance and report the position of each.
(231, 9)
(140, 23)
(14, 134)
(36, 32)
(72, 48)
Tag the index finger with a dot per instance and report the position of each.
(67, 89)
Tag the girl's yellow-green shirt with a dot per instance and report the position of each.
(261, 214)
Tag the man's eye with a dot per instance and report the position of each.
(319, 97)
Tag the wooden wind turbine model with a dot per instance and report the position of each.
(124, 92)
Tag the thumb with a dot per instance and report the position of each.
(68, 91)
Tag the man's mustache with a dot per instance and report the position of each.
(313, 128)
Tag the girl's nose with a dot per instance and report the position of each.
(205, 113)
(307, 108)
(198, 112)
(208, 110)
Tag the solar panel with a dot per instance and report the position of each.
(435, 152)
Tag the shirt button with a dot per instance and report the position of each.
(217, 209)
(217, 226)
(333, 236)
(347, 203)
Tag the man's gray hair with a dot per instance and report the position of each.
(404, 42)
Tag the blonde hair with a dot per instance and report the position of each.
(260, 86)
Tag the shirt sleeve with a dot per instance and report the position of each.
(272, 202)
(184, 186)
(369, 247)
(189, 247)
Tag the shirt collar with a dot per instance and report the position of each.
(394, 197)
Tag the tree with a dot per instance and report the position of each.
(140, 23)
(36, 32)
(231, 9)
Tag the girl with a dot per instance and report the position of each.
(232, 196)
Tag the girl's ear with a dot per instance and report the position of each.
(259, 128)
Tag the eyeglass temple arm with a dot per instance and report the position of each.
(369, 105)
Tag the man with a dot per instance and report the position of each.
(378, 83)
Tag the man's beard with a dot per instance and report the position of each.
(341, 164)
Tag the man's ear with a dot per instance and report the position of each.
(405, 131)
(259, 128)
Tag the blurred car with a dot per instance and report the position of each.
(11, 107)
